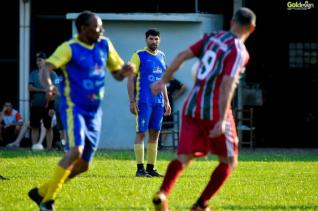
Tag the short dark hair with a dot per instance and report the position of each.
(40, 55)
(245, 17)
(83, 19)
(152, 32)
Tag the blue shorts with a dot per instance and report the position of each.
(82, 129)
(149, 117)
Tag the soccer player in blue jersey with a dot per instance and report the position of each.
(149, 109)
(83, 60)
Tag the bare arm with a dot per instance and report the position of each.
(131, 88)
(46, 81)
(158, 86)
(125, 71)
(227, 89)
(131, 94)
(179, 92)
(176, 63)
(45, 76)
(167, 103)
(165, 95)
(118, 76)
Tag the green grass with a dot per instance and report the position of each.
(265, 179)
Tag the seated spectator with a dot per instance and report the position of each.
(23, 131)
(11, 122)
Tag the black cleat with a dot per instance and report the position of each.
(142, 173)
(154, 173)
(3, 178)
(47, 206)
(197, 207)
(159, 201)
(35, 196)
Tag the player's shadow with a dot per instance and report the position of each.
(269, 207)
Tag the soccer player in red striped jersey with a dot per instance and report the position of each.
(207, 120)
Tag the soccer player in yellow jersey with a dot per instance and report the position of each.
(149, 109)
(83, 60)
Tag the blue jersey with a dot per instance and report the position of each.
(82, 89)
(150, 68)
(84, 70)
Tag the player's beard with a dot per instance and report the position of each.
(95, 39)
(153, 47)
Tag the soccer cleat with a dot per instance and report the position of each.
(59, 145)
(154, 173)
(47, 206)
(35, 196)
(3, 178)
(142, 173)
(12, 146)
(159, 201)
(197, 207)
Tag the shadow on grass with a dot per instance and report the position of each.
(259, 154)
(110, 208)
(270, 207)
(278, 154)
(228, 207)
(26, 152)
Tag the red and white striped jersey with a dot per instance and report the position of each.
(220, 54)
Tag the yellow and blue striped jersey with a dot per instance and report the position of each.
(84, 69)
(150, 68)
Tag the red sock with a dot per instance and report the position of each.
(173, 171)
(218, 177)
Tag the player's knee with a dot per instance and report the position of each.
(230, 161)
(141, 135)
(185, 159)
(76, 152)
(233, 163)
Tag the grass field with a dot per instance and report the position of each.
(265, 179)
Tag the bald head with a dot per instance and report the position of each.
(83, 19)
(245, 17)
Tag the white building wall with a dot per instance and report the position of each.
(127, 32)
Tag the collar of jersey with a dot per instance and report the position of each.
(153, 53)
(82, 43)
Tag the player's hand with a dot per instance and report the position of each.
(51, 89)
(157, 87)
(51, 112)
(134, 108)
(167, 109)
(219, 129)
(128, 70)
(51, 92)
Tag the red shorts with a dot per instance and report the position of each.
(194, 138)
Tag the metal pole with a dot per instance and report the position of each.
(24, 58)
(196, 6)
